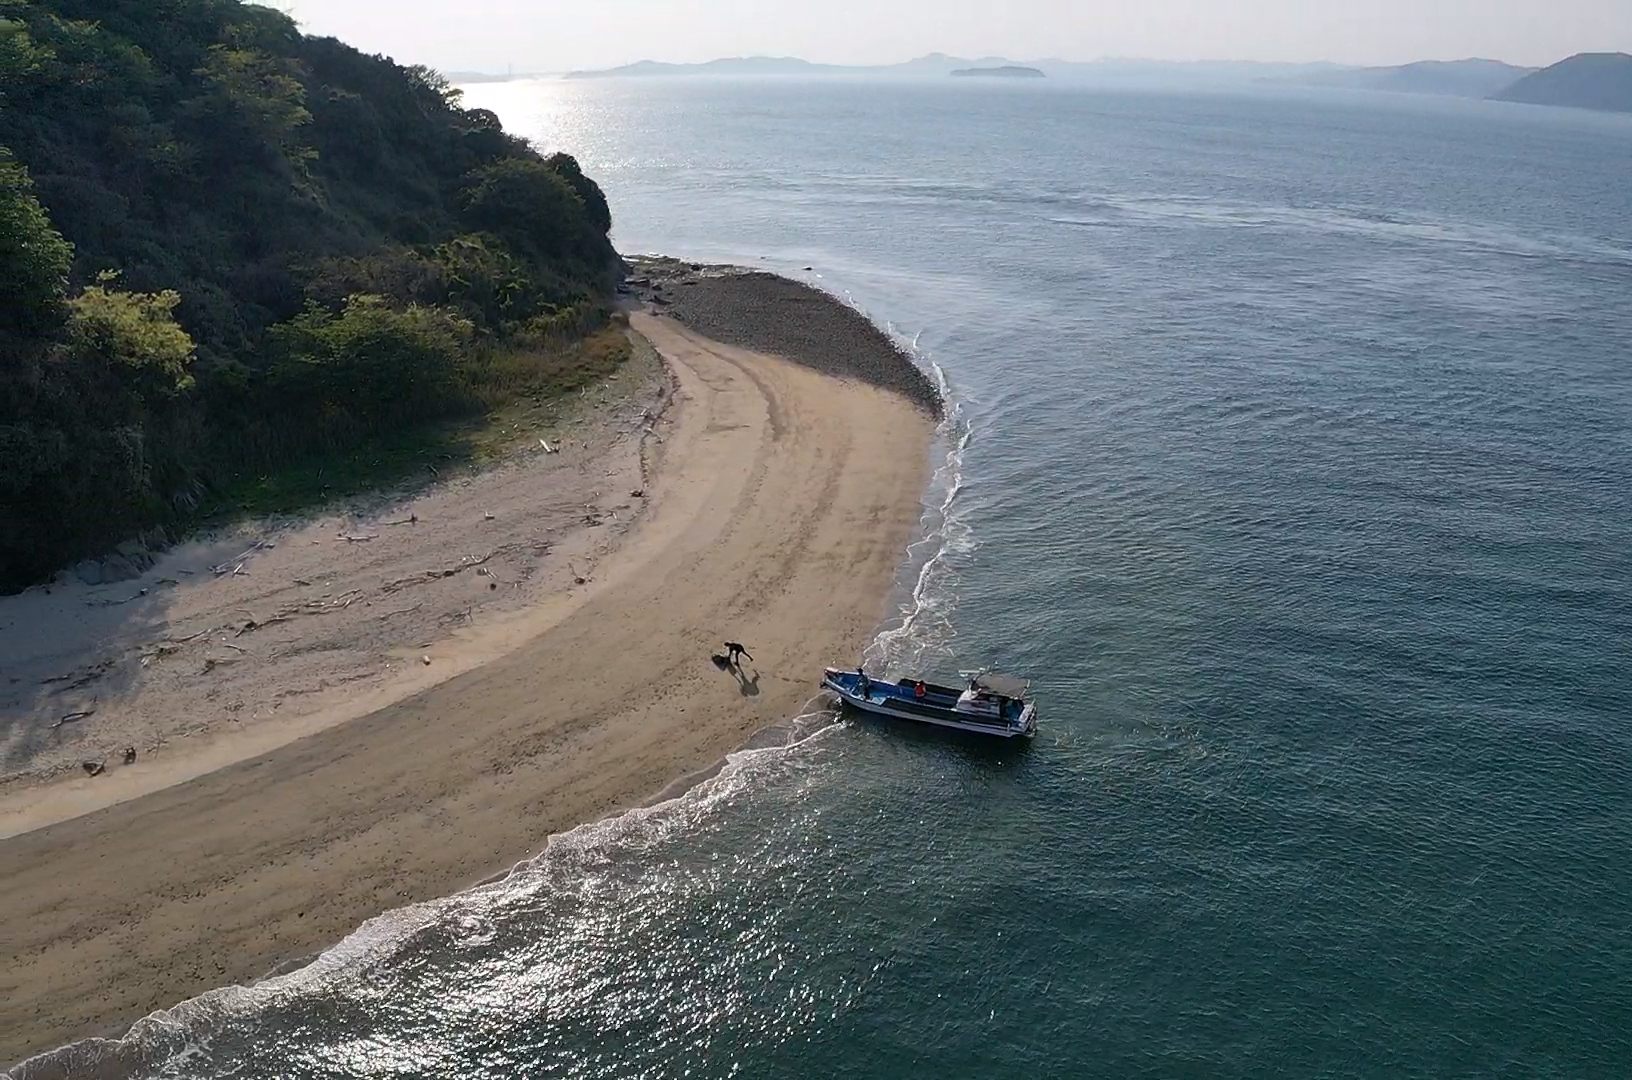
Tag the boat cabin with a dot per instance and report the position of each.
(989, 695)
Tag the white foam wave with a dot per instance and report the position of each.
(184, 1030)
(923, 630)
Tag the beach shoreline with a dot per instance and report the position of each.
(782, 498)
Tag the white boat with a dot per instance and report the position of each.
(987, 705)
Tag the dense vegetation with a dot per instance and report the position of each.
(226, 248)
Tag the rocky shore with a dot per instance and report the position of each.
(771, 314)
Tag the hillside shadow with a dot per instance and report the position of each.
(67, 652)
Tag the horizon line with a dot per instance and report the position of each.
(1107, 59)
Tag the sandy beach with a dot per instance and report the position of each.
(390, 704)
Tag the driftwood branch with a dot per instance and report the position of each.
(235, 565)
(76, 679)
(251, 626)
(74, 717)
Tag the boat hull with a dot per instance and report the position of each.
(900, 701)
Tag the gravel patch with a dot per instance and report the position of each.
(767, 313)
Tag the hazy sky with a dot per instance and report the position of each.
(556, 35)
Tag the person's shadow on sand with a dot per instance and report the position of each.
(748, 687)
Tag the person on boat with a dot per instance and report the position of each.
(734, 653)
(864, 685)
(920, 690)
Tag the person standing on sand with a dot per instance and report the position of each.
(734, 652)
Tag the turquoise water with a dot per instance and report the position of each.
(1292, 456)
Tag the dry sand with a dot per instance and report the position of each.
(778, 504)
(233, 646)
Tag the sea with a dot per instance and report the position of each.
(1289, 452)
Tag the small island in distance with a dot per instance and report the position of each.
(1007, 71)
(1588, 80)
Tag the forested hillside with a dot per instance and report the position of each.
(1585, 81)
(226, 246)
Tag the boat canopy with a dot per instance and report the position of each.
(1003, 685)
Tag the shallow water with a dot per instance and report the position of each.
(1292, 456)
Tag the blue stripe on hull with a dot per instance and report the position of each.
(890, 700)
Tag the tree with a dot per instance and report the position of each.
(135, 337)
(262, 96)
(535, 211)
(589, 192)
(435, 83)
(20, 58)
(34, 258)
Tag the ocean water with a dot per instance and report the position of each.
(1291, 455)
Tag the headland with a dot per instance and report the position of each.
(415, 698)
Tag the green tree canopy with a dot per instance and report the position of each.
(371, 361)
(314, 247)
(135, 336)
(34, 258)
(589, 192)
(534, 210)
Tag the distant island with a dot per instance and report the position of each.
(1454, 78)
(1586, 81)
(1006, 71)
(940, 65)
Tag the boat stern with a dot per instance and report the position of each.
(844, 683)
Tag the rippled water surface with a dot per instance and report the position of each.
(1298, 471)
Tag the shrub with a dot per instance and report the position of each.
(134, 336)
(376, 364)
(484, 280)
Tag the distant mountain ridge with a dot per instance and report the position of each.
(1473, 78)
(940, 65)
(1589, 80)
(1600, 81)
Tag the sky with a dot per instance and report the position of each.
(561, 35)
